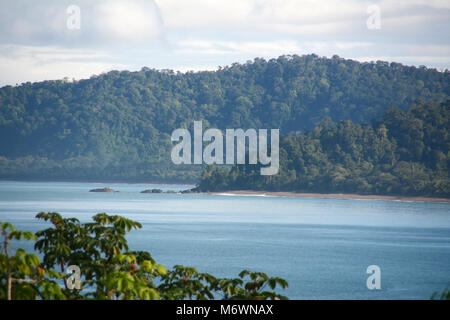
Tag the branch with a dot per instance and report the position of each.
(24, 280)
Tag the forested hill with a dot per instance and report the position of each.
(404, 153)
(117, 125)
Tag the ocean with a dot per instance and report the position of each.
(322, 247)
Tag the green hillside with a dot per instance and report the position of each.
(405, 153)
(117, 126)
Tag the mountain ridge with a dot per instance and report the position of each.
(117, 125)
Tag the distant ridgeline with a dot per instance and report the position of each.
(117, 126)
(405, 153)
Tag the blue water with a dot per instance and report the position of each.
(322, 247)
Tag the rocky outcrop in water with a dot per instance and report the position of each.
(152, 191)
(106, 189)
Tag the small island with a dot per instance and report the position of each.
(152, 191)
(106, 189)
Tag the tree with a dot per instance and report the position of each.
(110, 270)
(21, 275)
(108, 125)
(405, 153)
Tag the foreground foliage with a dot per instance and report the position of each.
(109, 269)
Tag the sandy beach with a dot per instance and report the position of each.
(329, 195)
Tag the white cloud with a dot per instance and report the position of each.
(232, 47)
(302, 17)
(103, 22)
(135, 22)
(35, 43)
(298, 17)
(26, 63)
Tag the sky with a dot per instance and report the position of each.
(54, 39)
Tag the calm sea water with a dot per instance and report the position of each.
(321, 246)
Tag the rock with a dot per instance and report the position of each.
(193, 190)
(152, 191)
(106, 189)
(170, 191)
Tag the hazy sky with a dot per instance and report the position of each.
(52, 39)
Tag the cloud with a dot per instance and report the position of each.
(36, 44)
(26, 63)
(300, 17)
(103, 22)
(203, 47)
(289, 16)
(135, 22)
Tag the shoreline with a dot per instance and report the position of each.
(255, 193)
(329, 196)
